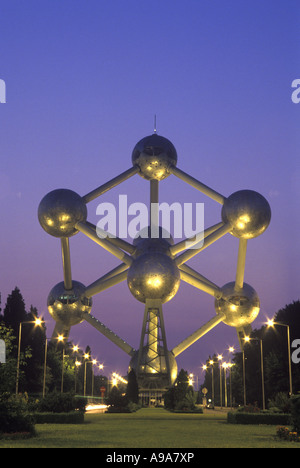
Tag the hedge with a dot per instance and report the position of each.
(258, 418)
(73, 417)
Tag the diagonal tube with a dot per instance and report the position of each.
(190, 253)
(211, 289)
(106, 244)
(191, 241)
(102, 284)
(191, 271)
(240, 271)
(197, 185)
(197, 334)
(66, 259)
(111, 184)
(108, 333)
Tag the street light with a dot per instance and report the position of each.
(61, 340)
(225, 366)
(37, 322)
(247, 339)
(220, 357)
(86, 357)
(231, 350)
(271, 323)
(211, 363)
(94, 362)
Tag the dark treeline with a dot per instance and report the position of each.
(275, 363)
(61, 357)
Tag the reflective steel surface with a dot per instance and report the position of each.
(59, 211)
(154, 155)
(67, 306)
(153, 276)
(241, 307)
(248, 212)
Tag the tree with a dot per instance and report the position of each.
(275, 352)
(14, 311)
(8, 370)
(115, 398)
(181, 395)
(132, 391)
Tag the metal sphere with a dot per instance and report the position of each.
(60, 210)
(67, 306)
(248, 212)
(154, 155)
(144, 243)
(154, 376)
(153, 276)
(241, 307)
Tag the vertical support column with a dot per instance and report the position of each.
(152, 353)
(151, 338)
(164, 339)
(65, 249)
(154, 213)
(240, 271)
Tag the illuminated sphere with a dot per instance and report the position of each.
(241, 307)
(248, 212)
(60, 210)
(153, 275)
(144, 243)
(154, 155)
(66, 306)
(154, 376)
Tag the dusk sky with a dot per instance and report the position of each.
(84, 80)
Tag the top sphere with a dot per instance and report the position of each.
(154, 155)
(59, 212)
(248, 212)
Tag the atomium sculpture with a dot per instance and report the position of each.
(154, 266)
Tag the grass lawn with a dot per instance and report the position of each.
(153, 428)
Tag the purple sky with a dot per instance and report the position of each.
(83, 82)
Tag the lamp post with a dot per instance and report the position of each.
(86, 357)
(220, 357)
(244, 377)
(37, 322)
(231, 350)
(271, 323)
(45, 367)
(94, 362)
(77, 364)
(225, 366)
(211, 362)
(247, 339)
(61, 338)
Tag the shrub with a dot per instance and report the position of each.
(285, 434)
(295, 412)
(249, 409)
(281, 403)
(236, 417)
(60, 403)
(74, 417)
(14, 417)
